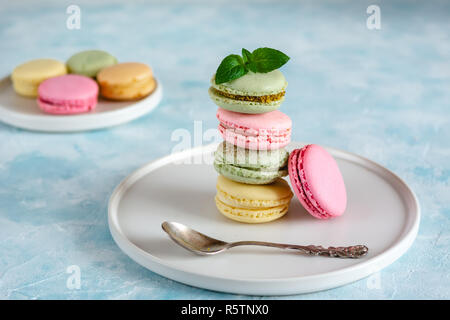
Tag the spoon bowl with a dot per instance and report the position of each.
(193, 240)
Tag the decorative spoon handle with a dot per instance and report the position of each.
(353, 252)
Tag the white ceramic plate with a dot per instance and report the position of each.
(24, 112)
(382, 213)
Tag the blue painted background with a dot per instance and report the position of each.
(384, 94)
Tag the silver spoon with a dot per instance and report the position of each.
(202, 244)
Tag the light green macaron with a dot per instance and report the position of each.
(251, 93)
(250, 166)
(89, 63)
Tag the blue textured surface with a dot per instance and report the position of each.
(383, 94)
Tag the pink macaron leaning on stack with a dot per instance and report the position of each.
(264, 131)
(317, 182)
(68, 94)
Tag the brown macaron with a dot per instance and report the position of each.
(126, 81)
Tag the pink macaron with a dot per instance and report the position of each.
(264, 131)
(317, 181)
(67, 94)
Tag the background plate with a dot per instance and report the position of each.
(382, 213)
(24, 112)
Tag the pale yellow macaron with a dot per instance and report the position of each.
(126, 81)
(252, 203)
(28, 76)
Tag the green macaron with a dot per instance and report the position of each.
(89, 63)
(250, 166)
(251, 93)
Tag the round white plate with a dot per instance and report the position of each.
(382, 213)
(24, 112)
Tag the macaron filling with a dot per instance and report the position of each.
(75, 104)
(273, 123)
(245, 137)
(249, 175)
(242, 202)
(261, 99)
(249, 215)
(249, 132)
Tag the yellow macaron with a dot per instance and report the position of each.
(126, 81)
(28, 76)
(252, 203)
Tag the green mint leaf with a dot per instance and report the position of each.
(247, 56)
(232, 67)
(261, 60)
(266, 60)
(248, 60)
(252, 67)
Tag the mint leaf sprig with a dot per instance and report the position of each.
(261, 60)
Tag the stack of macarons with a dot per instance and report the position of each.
(252, 159)
(74, 87)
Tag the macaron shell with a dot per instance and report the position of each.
(38, 70)
(317, 182)
(26, 89)
(298, 188)
(254, 84)
(250, 107)
(265, 123)
(251, 215)
(88, 63)
(68, 94)
(125, 73)
(126, 81)
(28, 76)
(322, 180)
(258, 142)
(68, 87)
